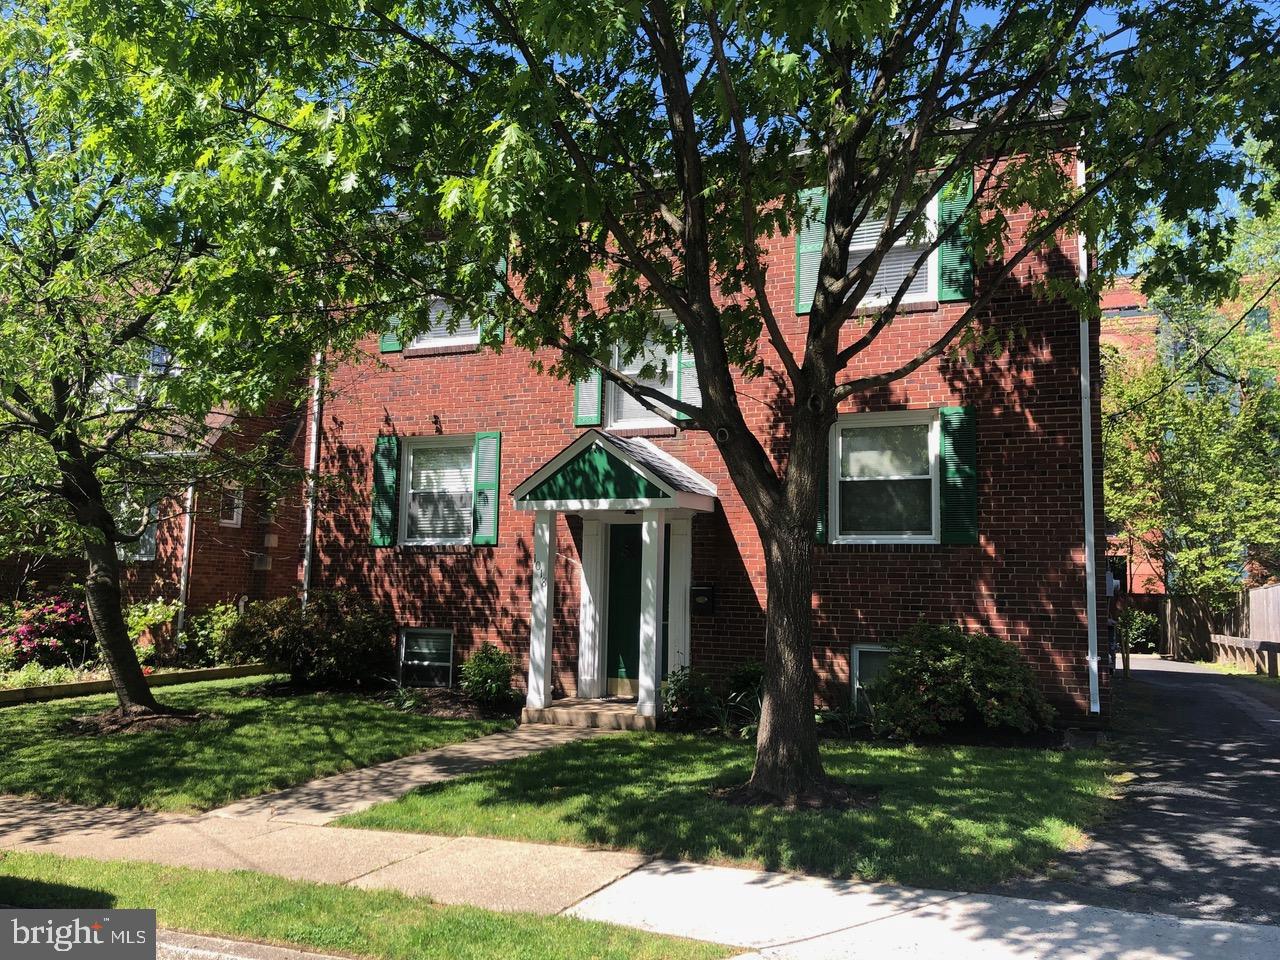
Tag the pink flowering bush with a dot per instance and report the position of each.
(50, 631)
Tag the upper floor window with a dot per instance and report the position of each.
(884, 477)
(231, 506)
(442, 333)
(898, 261)
(438, 482)
(674, 375)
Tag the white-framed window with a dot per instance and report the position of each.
(675, 376)
(146, 546)
(231, 505)
(883, 485)
(426, 657)
(437, 490)
(898, 260)
(438, 334)
(867, 662)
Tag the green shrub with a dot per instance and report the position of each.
(939, 678)
(338, 641)
(204, 641)
(34, 675)
(147, 615)
(1140, 628)
(746, 678)
(486, 675)
(687, 699)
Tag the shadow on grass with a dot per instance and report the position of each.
(27, 893)
(251, 744)
(948, 816)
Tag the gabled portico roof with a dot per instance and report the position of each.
(599, 471)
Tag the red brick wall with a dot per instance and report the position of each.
(222, 565)
(1024, 581)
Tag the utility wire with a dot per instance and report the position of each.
(1203, 355)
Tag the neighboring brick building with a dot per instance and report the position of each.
(237, 545)
(452, 476)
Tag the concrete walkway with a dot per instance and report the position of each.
(494, 874)
(783, 917)
(776, 916)
(322, 801)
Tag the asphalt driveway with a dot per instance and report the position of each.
(1198, 832)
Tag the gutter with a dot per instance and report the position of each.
(313, 466)
(1086, 423)
(184, 579)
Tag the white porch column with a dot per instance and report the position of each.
(544, 589)
(681, 578)
(652, 536)
(591, 682)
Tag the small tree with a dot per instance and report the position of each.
(119, 331)
(628, 162)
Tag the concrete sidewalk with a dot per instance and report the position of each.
(777, 916)
(322, 801)
(783, 917)
(494, 874)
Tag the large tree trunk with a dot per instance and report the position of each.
(106, 613)
(787, 762)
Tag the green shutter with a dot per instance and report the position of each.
(486, 472)
(813, 232)
(389, 342)
(386, 502)
(686, 373)
(955, 254)
(499, 332)
(588, 400)
(959, 475)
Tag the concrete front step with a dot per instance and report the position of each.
(596, 714)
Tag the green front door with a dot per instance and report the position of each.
(622, 619)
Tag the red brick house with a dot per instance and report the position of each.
(480, 501)
(222, 542)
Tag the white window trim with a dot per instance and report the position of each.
(612, 390)
(441, 630)
(148, 554)
(893, 418)
(406, 463)
(231, 488)
(459, 339)
(931, 265)
(855, 651)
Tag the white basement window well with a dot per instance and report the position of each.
(435, 505)
(231, 506)
(426, 657)
(883, 486)
(898, 261)
(443, 333)
(867, 664)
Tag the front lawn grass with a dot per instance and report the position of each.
(255, 741)
(1232, 670)
(368, 923)
(950, 816)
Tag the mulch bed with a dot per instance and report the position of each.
(117, 721)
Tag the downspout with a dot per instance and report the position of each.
(313, 466)
(184, 574)
(1086, 424)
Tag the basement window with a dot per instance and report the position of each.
(426, 657)
(868, 663)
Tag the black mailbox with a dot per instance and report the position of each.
(702, 600)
